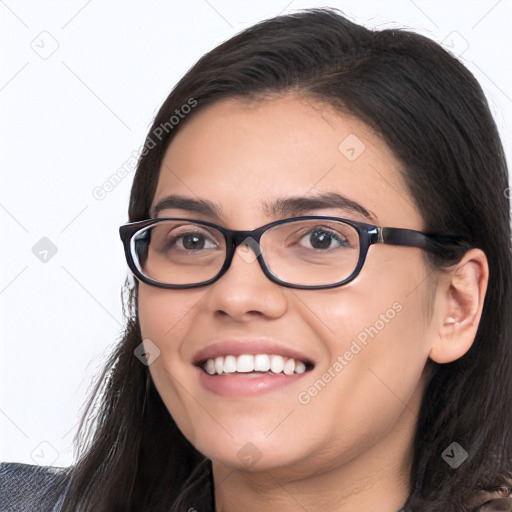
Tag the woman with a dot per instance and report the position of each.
(320, 235)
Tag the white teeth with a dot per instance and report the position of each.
(247, 363)
(300, 367)
(289, 367)
(229, 364)
(262, 363)
(219, 364)
(276, 364)
(210, 366)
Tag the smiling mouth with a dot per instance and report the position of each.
(255, 364)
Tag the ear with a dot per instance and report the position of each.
(459, 302)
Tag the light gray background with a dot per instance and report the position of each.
(70, 119)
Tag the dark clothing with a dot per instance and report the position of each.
(28, 488)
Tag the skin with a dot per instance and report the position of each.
(349, 448)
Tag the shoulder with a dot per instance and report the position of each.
(27, 488)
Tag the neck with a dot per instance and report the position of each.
(377, 479)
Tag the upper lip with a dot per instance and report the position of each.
(238, 347)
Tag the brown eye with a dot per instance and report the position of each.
(324, 239)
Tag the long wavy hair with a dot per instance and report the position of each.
(432, 113)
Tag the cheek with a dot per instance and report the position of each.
(165, 318)
(376, 336)
(392, 297)
(164, 314)
(385, 309)
(376, 356)
(386, 332)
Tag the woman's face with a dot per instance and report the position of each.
(368, 341)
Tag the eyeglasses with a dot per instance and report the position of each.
(311, 252)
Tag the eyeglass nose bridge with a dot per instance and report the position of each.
(249, 238)
(235, 239)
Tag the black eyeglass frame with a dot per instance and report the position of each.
(451, 247)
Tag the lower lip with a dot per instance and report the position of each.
(239, 384)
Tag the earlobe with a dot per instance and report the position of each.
(459, 303)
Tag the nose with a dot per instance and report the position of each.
(244, 291)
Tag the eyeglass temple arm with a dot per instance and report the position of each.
(450, 247)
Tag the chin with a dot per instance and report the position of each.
(250, 453)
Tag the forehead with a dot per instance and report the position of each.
(244, 155)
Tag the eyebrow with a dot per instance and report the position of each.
(283, 207)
